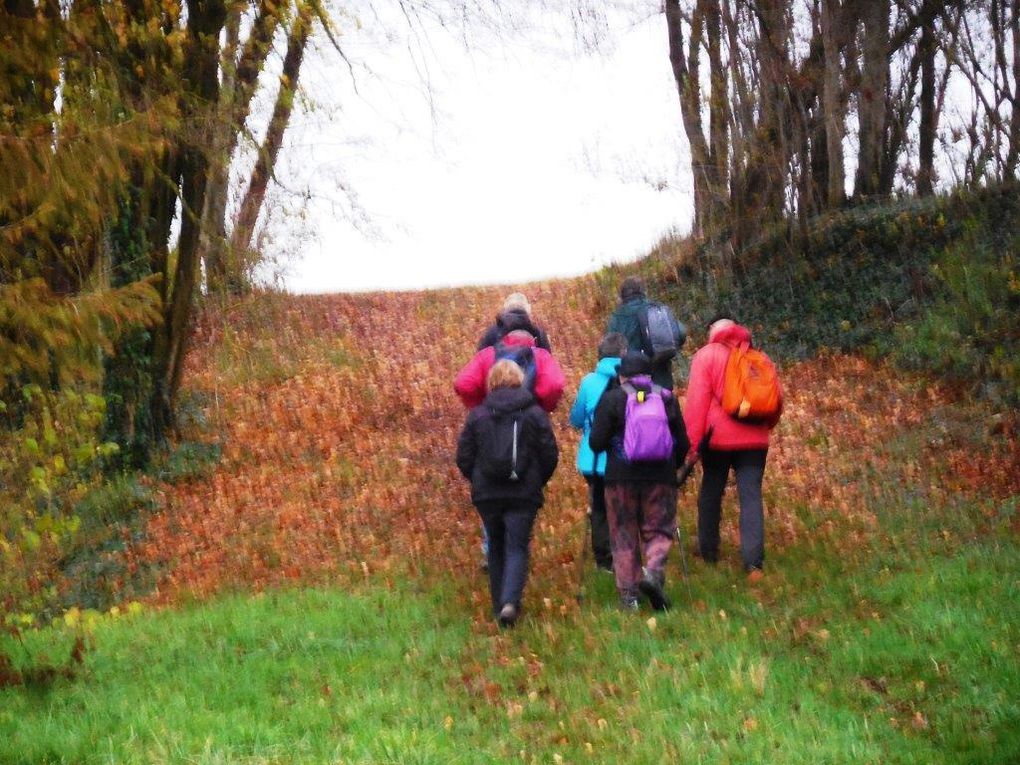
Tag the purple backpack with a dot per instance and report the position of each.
(646, 435)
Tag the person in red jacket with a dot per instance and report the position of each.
(546, 378)
(741, 446)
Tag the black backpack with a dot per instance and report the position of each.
(503, 448)
(523, 356)
(662, 333)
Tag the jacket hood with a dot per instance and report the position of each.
(513, 319)
(732, 335)
(636, 300)
(641, 382)
(504, 400)
(607, 366)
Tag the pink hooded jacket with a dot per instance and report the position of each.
(549, 379)
(702, 409)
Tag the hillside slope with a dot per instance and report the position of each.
(319, 597)
(338, 423)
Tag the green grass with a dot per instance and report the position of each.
(898, 657)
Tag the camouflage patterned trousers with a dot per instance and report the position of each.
(642, 521)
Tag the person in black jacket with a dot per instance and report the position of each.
(640, 496)
(516, 314)
(508, 502)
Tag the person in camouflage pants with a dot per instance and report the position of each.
(642, 520)
(640, 493)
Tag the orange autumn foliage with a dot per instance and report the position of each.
(338, 465)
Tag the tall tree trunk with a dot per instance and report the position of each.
(764, 178)
(832, 103)
(213, 232)
(685, 74)
(1013, 155)
(928, 127)
(244, 226)
(719, 120)
(240, 80)
(872, 96)
(201, 86)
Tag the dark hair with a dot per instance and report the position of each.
(632, 286)
(633, 364)
(719, 316)
(613, 345)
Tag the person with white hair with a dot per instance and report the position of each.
(733, 444)
(515, 315)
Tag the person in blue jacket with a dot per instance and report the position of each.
(593, 467)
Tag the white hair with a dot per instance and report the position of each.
(718, 327)
(517, 301)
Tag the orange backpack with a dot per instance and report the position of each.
(751, 391)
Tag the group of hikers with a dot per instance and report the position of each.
(636, 446)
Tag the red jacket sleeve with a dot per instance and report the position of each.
(699, 396)
(470, 381)
(549, 380)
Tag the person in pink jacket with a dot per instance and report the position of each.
(544, 377)
(741, 446)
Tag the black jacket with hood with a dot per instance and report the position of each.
(507, 322)
(537, 437)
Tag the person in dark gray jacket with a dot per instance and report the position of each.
(508, 426)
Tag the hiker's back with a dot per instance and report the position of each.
(704, 405)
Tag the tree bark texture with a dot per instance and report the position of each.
(244, 226)
(872, 95)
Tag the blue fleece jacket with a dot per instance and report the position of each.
(582, 412)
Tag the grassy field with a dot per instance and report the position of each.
(899, 654)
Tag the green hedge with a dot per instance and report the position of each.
(932, 283)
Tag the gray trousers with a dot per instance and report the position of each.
(749, 467)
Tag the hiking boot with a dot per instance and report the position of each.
(629, 603)
(651, 585)
(508, 615)
(755, 575)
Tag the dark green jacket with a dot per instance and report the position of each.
(627, 320)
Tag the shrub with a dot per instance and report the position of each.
(930, 282)
(970, 331)
(49, 460)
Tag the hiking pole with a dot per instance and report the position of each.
(582, 557)
(681, 479)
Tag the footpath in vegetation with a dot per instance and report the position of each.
(319, 597)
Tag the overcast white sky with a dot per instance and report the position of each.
(512, 158)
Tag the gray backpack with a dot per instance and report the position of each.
(663, 334)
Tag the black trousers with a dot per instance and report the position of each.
(749, 467)
(508, 526)
(600, 544)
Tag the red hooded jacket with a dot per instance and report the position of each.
(703, 409)
(549, 379)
